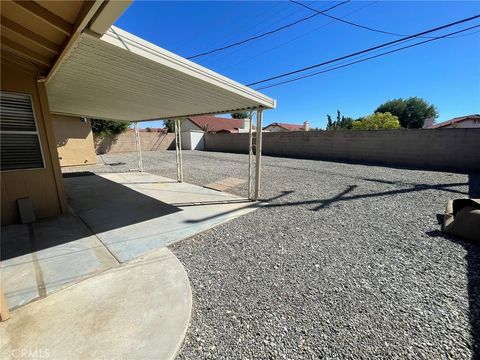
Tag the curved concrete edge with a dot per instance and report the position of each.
(140, 310)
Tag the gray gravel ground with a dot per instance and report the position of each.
(346, 261)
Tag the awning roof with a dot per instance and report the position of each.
(122, 77)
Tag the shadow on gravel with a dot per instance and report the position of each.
(343, 196)
(473, 269)
(473, 275)
(324, 203)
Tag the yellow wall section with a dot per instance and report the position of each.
(74, 141)
(43, 186)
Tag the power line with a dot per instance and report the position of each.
(346, 21)
(355, 24)
(295, 38)
(366, 50)
(266, 33)
(264, 27)
(233, 35)
(368, 58)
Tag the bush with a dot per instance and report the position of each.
(377, 121)
(107, 127)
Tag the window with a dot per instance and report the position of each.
(19, 140)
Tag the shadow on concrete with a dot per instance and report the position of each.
(98, 202)
(109, 205)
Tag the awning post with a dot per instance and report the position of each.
(258, 153)
(178, 149)
(138, 145)
(250, 156)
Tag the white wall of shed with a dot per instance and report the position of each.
(193, 140)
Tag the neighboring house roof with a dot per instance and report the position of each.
(289, 127)
(455, 121)
(217, 124)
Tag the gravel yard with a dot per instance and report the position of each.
(346, 261)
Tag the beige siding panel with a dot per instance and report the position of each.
(38, 184)
(74, 141)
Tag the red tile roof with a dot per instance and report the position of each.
(216, 124)
(289, 127)
(455, 121)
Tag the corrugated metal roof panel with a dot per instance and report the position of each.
(122, 77)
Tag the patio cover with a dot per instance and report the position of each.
(119, 76)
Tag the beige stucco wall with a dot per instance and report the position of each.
(74, 140)
(44, 186)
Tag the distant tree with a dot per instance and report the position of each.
(148, 129)
(107, 127)
(411, 112)
(342, 122)
(169, 125)
(240, 115)
(329, 123)
(377, 121)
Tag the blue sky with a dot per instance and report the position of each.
(445, 72)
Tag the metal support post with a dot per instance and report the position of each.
(258, 152)
(138, 145)
(250, 156)
(178, 148)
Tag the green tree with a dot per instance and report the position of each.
(240, 115)
(330, 125)
(107, 127)
(411, 112)
(342, 122)
(169, 125)
(377, 121)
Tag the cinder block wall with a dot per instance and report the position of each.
(151, 141)
(436, 149)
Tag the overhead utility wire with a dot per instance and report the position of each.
(222, 55)
(295, 38)
(366, 50)
(365, 59)
(266, 33)
(346, 21)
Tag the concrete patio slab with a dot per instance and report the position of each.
(140, 310)
(46, 255)
(134, 213)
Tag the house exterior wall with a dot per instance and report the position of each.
(44, 186)
(74, 141)
(437, 149)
